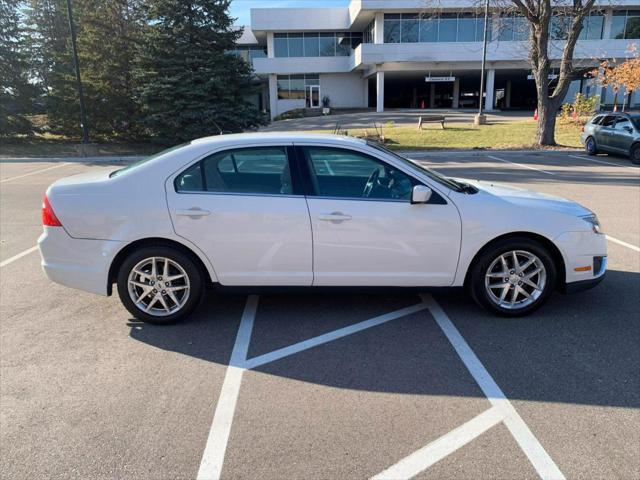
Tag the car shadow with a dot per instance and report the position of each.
(579, 349)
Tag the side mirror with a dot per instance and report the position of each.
(420, 194)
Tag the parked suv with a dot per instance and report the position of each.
(613, 133)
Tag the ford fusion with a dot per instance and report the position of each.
(292, 210)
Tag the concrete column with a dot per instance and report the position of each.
(432, 95)
(378, 28)
(273, 95)
(507, 95)
(456, 93)
(490, 89)
(270, 49)
(380, 92)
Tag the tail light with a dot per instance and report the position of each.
(582, 129)
(49, 218)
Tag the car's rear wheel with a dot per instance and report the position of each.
(590, 146)
(634, 154)
(513, 277)
(160, 285)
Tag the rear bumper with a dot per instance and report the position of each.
(77, 263)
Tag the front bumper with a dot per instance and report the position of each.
(77, 263)
(580, 250)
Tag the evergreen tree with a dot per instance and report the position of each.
(16, 92)
(108, 39)
(189, 86)
(51, 63)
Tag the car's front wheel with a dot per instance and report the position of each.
(513, 277)
(160, 285)
(590, 146)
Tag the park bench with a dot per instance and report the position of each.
(431, 119)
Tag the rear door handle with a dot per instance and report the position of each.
(336, 217)
(193, 212)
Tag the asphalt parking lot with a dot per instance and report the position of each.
(326, 386)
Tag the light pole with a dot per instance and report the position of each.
(480, 118)
(83, 115)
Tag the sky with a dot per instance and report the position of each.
(240, 8)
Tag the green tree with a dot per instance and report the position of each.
(51, 62)
(189, 85)
(108, 38)
(16, 92)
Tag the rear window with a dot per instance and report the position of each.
(146, 160)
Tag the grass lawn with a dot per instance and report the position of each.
(505, 135)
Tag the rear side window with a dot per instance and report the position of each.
(262, 170)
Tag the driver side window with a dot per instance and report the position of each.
(348, 174)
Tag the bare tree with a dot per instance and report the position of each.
(540, 15)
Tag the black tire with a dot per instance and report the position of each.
(193, 273)
(634, 154)
(590, 146)
(492, 253)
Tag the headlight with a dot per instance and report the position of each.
(594, 222)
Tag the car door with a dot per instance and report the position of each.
(241, 208)
(365, 229)
(622, 134)
(603, 133)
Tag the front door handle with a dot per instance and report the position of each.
(335, 217)
(193, 212)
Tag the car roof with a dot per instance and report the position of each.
(289, 137)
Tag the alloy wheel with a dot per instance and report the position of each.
(515, 279)
(158, 286)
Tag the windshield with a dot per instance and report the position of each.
(433, 175)
(636, 121)
(145, 160)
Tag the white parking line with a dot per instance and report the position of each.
(329, 337)
(600, 161)
(214, 451)
(444, 446)
(34, 172)
(624, 244)
(539, 458)
(18, 256)
(519, 164)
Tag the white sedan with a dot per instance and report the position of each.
(297, 210)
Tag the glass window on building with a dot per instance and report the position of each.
(632, 27)
(296, 87)
(410, 28)
(448, 28)
(343, 45)
(311, 44)
(561, 26)
(513, 28)
(392, 24)
(280, 45)
(480, 28)
(625, 24)
(367, 36)
(467, 27)
(521, 28)
(356, 39)
(296, 45)
(429, 29)
(592, 27)
(283, 87)
(327, 45)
